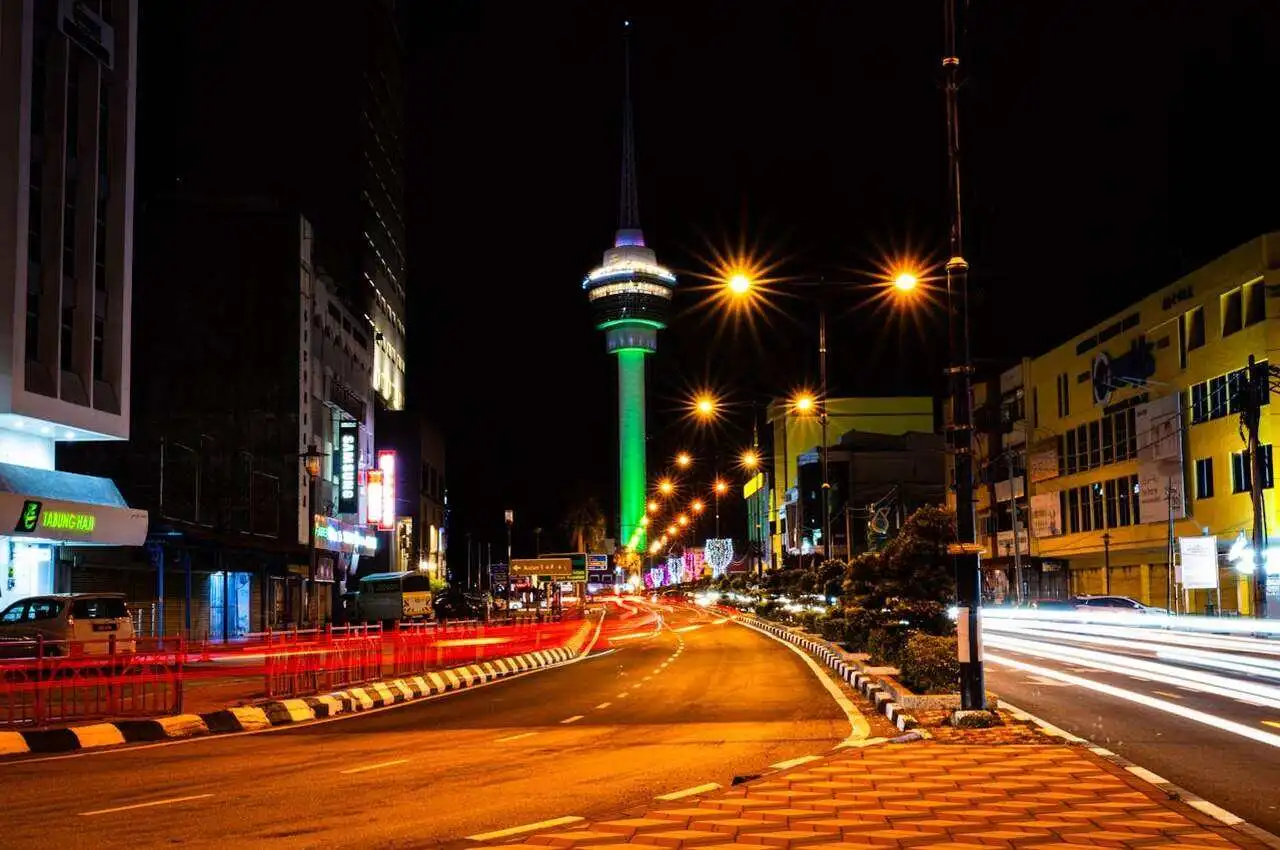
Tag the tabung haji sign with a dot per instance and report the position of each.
(73, 522)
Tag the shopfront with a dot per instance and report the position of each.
(42, 509)
(340, 546)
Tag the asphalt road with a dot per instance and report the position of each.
(700, 701)
(1231, 756)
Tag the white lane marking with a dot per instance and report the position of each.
(514, 737)
(795, 762)
(1161, 693)
(686, 628)
(603, 706)
(377, 766)
(637, 684)
(647, 678)
(528, 827)
(1142, 699)
(150, 804)
(573, 719)
(689, 792)
(1040, 680)
(721, 621)
(858, 726)
(622, 695)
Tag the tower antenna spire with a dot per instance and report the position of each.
(629, 197)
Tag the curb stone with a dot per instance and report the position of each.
(866, 685)
(251, 718)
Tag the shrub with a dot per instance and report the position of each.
(885, 643)
(808, 621)
(833, 628)
(929, 664)
(858, 623)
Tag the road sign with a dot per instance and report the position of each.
(550, 567)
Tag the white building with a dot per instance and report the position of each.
(67, 102)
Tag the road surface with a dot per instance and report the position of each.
(1201, 710)
(701, 700)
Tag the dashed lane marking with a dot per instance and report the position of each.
(602, 706)
(515, 737)
(622, 695)
(795, 762)
(637, 684)
(147, 805)
(377, 766)
(573, 719)
(528, 827)
(689, 792)
(1162, 693)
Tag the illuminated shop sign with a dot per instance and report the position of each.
(386, 514)
(34, 518)
(348, 451)
(338, 536)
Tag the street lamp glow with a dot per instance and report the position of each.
(739, 284)
(644, 522)
(665, 487)
(697, 506)
(652, 507)
(684, 459)
(906, 282)
(682, 520)
(721, 487)
(672, 530)
(750, 459)
(705, 406)
(803, 402)
(653, 548)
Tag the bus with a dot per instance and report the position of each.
(387, 597)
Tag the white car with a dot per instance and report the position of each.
(1115, 605)
(69, 623)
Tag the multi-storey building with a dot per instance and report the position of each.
(795, 513)
(67, 94)
(1135, 439)
(301, 103)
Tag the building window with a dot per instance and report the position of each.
(1199, 403)
(1241, 479)
(1218, 397)
(1263, 375)
(1063, 516)
(1131, 422)
(1232, 305)
(1095, 497)
(33, 318)
(1071, 452)
(99, 351)
(1095, 445)
(1111, 504)
(1132, 485)
(1124, 496)
(1064, 397)
(1122, 436)
(1073, 509)
(1195, 328)
(1235, 386)
(1108, 437)
(1182, 343)
(1035, 407)
(1082, 447)
(67, 335)
(1255, 303)
(1062, 455)
(1204, 478)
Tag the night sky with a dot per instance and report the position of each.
(1108, 148)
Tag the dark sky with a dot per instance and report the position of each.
(1109, 147)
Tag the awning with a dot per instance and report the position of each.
(45, 505)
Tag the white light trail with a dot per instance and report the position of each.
(1142, 699)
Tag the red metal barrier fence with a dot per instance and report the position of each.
(47, 682)
(59, 682)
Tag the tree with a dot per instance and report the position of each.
(585, 526)
(913, 566)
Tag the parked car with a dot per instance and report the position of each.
(1116, 605)
(69, 623)
(1052, 604)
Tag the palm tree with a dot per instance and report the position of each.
(585, 526)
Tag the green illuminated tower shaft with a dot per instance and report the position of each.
(630, 296)
(631, 444)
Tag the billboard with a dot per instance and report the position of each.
(1199, 567)
(1046, 515)
(1160, 477)
(386, 514)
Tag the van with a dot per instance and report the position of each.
(69, 623)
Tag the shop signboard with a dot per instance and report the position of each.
(1199, 567)
(346, 461)
(72, 522)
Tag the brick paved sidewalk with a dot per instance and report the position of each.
(926, 795)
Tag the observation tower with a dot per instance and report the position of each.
(630, 295)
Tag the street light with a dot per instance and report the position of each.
(652, 507)
(906, 281)
(644, 522)
(666, 487)
(311, 459)
(803, 402)
(739, 284)
(697, 506)
(705, 406)
(684, 460)
(682, 520)
(672, 530)
(720, 488)
(750, 459)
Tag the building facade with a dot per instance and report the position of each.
(418, 519)
(795, 436)
(67, 99)
(253, 363)
(1133, 440)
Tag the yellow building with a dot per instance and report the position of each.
(797, 433)
(1135, 438)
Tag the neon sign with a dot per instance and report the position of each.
(348, 433)
(387, 514)
(374, 489)
(34, 516)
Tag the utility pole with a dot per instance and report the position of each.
(1257, 386)
(1168, 500)
(973, 695)
(468, 560)
(1106, 562)
(822, 380)
(1017, 553)
(509, 517)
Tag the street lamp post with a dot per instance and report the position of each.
(965, 550)
(823, 419)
